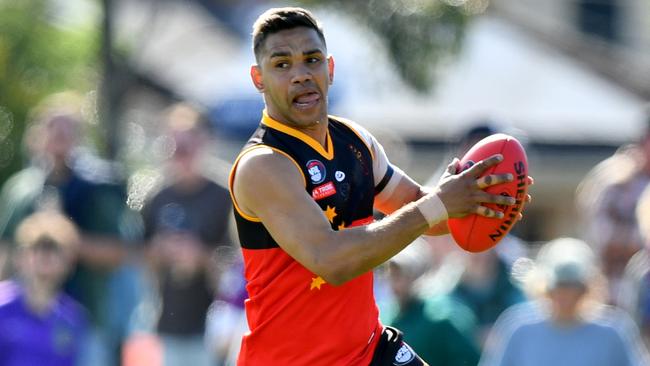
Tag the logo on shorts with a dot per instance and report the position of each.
(339, 175)
(404, 355)
(316, 171)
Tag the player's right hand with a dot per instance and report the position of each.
(463, 193)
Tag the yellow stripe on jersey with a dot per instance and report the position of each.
(327, 152)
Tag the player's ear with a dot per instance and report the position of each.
(256, 77)
(330, 67)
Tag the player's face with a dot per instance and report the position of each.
(294, 74)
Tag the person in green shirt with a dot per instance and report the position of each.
(440, 328)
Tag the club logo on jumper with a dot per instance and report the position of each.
(404, 355)
(316, 171)
(323, 191)
(339, 175)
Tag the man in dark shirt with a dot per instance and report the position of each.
(184, 222)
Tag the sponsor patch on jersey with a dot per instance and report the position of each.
(324, 190)
(404, 355)
(339, 175)
(316, 171)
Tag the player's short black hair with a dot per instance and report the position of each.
(278, 19)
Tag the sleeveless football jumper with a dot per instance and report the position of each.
(294, 316)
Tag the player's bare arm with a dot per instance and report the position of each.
(268, 186)
(406, 191)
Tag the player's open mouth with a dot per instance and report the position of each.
(306, 100)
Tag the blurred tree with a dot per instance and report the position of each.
(37, 57)
(417, 33)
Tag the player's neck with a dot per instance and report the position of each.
(316, 130)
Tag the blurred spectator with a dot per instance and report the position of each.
(607, 198)
(485, 286)
(184, 223)
(458, 148)
(439, 329)
(570, 325)
(635, 290)
(226, 323)
(39, 324)
(63, 177)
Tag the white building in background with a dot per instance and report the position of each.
(507, 75)
(611, 36)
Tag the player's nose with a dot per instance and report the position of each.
(301, 75)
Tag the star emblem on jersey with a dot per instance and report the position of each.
(316, 171)
(339, 175)
(330, 213)
(316, 283)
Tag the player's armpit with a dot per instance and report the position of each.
(405, 190)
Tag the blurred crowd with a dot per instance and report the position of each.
(88, 279)
(91, 281)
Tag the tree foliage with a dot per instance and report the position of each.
(37, 57)
(418, 34)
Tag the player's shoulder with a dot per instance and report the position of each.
(259, 156)
(261, 163)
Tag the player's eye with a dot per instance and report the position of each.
(281, 65)
(312, 60)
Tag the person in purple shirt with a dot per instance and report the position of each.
(39, 325)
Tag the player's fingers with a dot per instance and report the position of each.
(490, 180)
(488, 212)
(498, 199)
(454, 166)
(479, 168)
(529, 199)
(520, 217)
(531, 181)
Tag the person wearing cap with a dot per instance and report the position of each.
(39, 324)
(440, 329)
(570, 324)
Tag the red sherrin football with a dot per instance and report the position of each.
(476, 233)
